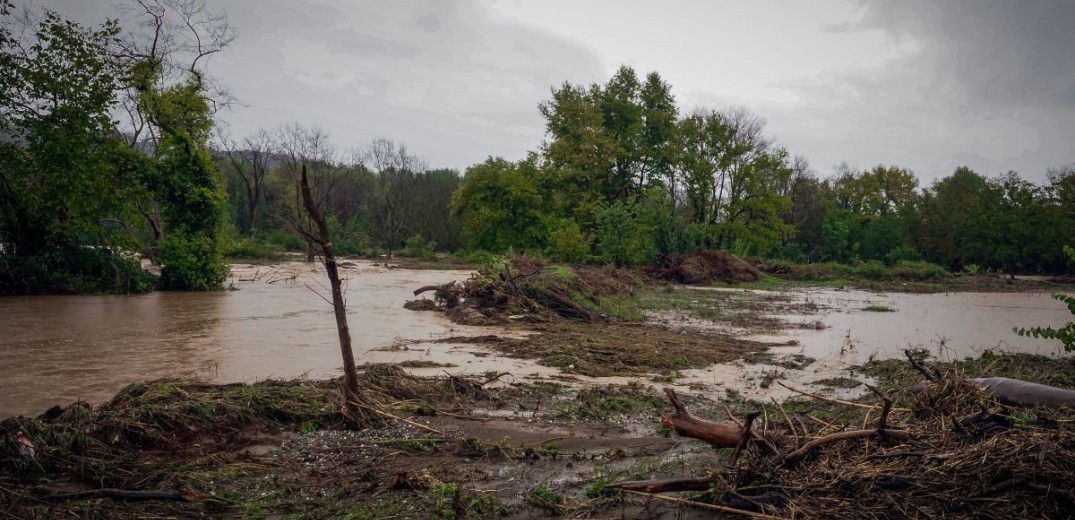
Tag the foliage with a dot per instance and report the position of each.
(58, 181)
(187, 187)
(568, 243)
(501, 206)
(76, 269)
(419, 248)
(191, 263)
(71, 181)
(1065, 334)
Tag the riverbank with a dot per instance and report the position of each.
(517, 450)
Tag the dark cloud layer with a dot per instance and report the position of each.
(1005, 54)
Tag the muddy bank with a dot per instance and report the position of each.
(513, 451)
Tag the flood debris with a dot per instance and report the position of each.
(527, 289)
(149, 443)
(703, 267)
(960, 451)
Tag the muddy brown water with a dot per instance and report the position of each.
(56, 349)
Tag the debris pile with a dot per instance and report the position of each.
(132, 447)
(703, 267)
(527, 289)
(956, 451)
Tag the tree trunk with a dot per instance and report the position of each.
(353, 400)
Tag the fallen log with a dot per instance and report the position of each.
(1016, 392)
(723, 435)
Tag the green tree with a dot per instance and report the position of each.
(65, 182)
(953, 226)
(607, 143)
(501, 206)
(879, 206)
(188, 187)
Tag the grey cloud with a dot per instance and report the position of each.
(1006, 54)
(990, 85)
(446, 78)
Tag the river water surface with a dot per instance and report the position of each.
(56, 349)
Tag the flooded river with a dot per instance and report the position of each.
(56, 349)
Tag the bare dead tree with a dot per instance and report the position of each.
(250, 161)
(307, 147)
(356, 406)
(396, 169)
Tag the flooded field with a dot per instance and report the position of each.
(56, 349)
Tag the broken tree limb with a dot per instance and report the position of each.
(882, 423)
(933, 376)
(838, 401)
(744, 437)
(798, 454)
(702, 505)
(664, 485)
(183, 495)
(427, 288)
(724, 435)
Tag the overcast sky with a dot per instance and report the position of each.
(921, 84)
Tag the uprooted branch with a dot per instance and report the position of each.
(664, 485)
(724, 435)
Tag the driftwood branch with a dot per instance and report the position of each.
(702, 505)
(744, 437)
(798, 454)
(182, 495)
(724, 435)
(933, 376)
(838, 401)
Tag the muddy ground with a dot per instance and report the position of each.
(488, 446)
(280, 450)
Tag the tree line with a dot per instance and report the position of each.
(623, 177)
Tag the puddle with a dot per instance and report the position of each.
(951, 326)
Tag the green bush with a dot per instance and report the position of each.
(1065, 334)
(251, 248)
(349, 239)
(286, 239)
(872, 270)
(917, 271)
(567, 243)
(191, 263)
(93, 270)
(419, 248)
